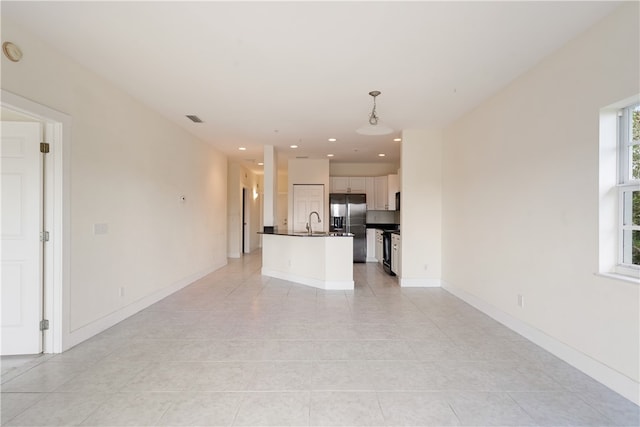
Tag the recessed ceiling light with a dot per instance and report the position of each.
(242, 148)
(397, 139)
(293, 146)
(260, 164)
(329, 155)
(381, 155)
(332, 140)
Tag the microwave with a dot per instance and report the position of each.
(398, 201)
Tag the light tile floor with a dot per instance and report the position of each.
(236, 348)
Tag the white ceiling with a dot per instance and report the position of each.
(283, 73)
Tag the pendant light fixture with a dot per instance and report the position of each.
(374, 126)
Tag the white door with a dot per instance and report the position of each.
(21, 181)
(306, 199)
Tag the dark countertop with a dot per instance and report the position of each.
(305, 234)
(383, 226)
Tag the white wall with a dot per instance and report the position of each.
(421, 208)
(309, 171)
(520, 212)
(128, 168)
(239, 177)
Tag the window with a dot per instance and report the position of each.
(629, 190)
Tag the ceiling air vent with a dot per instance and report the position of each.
(194, 119)
(302, 157)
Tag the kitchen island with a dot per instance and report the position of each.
(321, 260)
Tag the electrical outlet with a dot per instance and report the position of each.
(520, 301)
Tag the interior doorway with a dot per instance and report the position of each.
(308, 198)
(23, 184)
(246, 221)
(52, 231)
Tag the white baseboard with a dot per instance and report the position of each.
(611, 378)
(85, 332)
(420, 283)
(371, 259)
(320, 284)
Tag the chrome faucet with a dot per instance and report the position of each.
(309, 223)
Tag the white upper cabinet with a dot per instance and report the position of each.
(339, 184)
(393, 184)
(380, 190)
(381, 193)
(371, 193)
(358, 184)
(348, 184)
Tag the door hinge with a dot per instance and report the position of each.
(44, 325)
(44, 147)
(44, 236)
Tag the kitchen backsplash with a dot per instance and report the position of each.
(383, 217)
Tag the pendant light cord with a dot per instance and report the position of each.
(373, 118)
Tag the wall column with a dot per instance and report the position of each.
(270, 212)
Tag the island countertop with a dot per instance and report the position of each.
(305, 234)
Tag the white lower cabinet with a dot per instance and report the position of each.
(395, 253)
(371, 245)
(379, 243)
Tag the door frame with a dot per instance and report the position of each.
(243, 221)
(246, 221)
(57, 132)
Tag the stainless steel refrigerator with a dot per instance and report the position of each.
(348, 213)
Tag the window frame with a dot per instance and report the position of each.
(626, 186)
